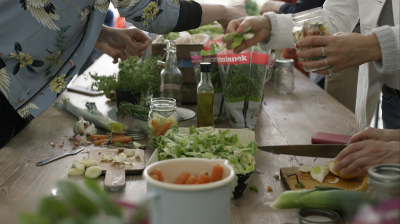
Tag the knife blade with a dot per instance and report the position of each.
(323, 150)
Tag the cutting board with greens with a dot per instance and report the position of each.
(289, 182)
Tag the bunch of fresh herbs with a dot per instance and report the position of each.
(135, 75)
(81, 204)
(136, 111)
(251, 8)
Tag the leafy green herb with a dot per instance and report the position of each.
(136, 111)
(213, 30)
(238, 37)
(251, 8)
(136, 75)
(254, 188)
(80, 204)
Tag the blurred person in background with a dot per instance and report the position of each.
(376, 50)
(40, 56)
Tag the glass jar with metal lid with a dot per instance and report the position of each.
(284, 76)
(162, 116)
(384, 182)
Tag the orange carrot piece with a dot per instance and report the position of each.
(164, 128)
(182, 178)
(216, 174)
(269, 188)
(116, 139)
(159, 174)
(155, 125)
(98, 137)
(191, 180)
(154, 176)
(204, 178)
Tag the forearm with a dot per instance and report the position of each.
(104, 34)
(212, 12)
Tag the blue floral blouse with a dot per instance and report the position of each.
(43, 43)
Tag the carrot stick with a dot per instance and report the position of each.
(217, 173)
(164, 128)
(182, 178)
(98, 137)
(154, 176)
(159, 174)
(191, 180)
(117, 139)
(203, 178)
(155, 125)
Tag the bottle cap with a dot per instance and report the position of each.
(205, 67)
(284, 62)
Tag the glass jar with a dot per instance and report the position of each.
(383, 182)
(309, 23)
(162, 116)
(284, 76)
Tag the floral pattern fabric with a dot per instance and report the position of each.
(43, 43)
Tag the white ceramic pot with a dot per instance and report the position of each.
(195, 204)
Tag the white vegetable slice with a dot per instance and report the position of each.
(106, 157)
(89, 162)
(318, 173)
(76, 172)
(335, 181)
(305, 168)
(93, 172)
(130, 152)
(120, 158)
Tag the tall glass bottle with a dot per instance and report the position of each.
(171, 76)
(205, 97)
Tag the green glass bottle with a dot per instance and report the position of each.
(205, 97)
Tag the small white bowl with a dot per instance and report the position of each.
(202, 203)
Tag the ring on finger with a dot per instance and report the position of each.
(330, 70)
(326, 63)
(323, 51)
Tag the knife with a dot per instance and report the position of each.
(58, 157)
(323, 150)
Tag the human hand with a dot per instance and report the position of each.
(260, 26)
(358, 157)
(116, 54)
(342, 50)
(271, 6)
(131, 41)
(376, 134)
(231, 12)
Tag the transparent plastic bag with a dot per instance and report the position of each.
(243, 77)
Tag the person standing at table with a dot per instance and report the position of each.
(376, 49)
(43, 44)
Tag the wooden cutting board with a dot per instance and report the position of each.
(114, 172)
(309, 183)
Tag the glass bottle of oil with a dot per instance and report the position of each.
(205, 97)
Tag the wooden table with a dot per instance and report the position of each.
(283, 119)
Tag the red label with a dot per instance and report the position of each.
(196, 60)
(211, 58)
(228, 58)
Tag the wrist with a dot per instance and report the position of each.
(104, 34)
(372, 44)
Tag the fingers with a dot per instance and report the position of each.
(347, 155)
(360, 136)
(314, 41)
(358, 167)
(314, 64)
(233, 25)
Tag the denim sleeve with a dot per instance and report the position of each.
(301, 5)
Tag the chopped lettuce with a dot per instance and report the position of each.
(207, 142)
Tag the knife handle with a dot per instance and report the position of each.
(41, 163)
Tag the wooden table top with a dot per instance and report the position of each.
(283, 119)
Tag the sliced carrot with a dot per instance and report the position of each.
(98, 137)
(216, 174)
(203, 178)
(155, 125)
(159, 174)
(269, 188)
(154, 176)
(182, 178)
(116, 139)
(191, 180)
(164, 128)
